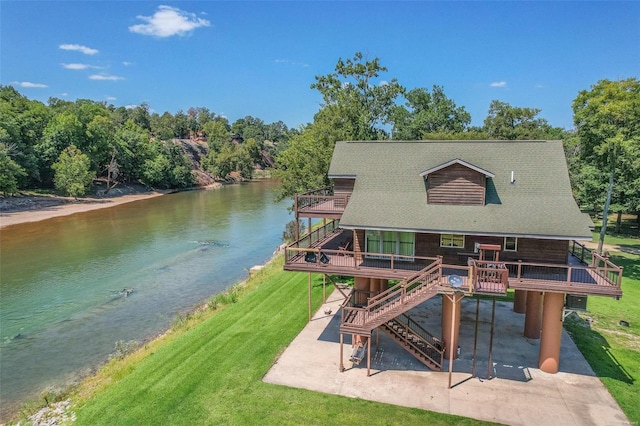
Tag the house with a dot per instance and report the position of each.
(412, 220)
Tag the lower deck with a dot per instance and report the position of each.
(331, 253)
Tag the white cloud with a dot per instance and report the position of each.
(498, 84)
(127, 63)
(79, 66)
(105, 77)
(539, 86)
(168, 21)
(111, 98)
(290, 62)
(30, 85)
(78, 47)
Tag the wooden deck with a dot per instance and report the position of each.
(325, 256)
(320, 203)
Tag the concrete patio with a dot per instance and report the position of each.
(518, 393)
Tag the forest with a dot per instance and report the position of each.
(68, 146)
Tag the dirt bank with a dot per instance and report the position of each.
(33, 208)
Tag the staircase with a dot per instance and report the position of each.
(427, 348)
(391, 303)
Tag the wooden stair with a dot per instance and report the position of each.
(425, 347)
(391, 303)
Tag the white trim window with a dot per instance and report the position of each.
(452, 240)
(510, 244)
(390, 242)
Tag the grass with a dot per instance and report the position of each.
(210, 370)
(612, 350)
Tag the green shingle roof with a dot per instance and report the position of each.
(389, 192)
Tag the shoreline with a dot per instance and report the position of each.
(55, 206)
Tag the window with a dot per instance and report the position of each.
(390, 242)
(452, 240)
(510, 244)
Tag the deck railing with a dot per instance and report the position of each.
(354, 260)
(580, 252)
(606, 269)
(490, 276)
(392, 299)
(321, 199)
(432, 341)
(601, 267)
(318, 234)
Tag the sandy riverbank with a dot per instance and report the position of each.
(34, 208)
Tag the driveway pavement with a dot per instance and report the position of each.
(517, 393)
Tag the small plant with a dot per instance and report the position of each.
(122, 349)
(213, 303)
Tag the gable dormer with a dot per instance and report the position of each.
(456, 182)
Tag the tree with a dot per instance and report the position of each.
(354, 102)
(427, 113)
(511, 123)
(10, 172)
(22, 122)
(72, 172)
(304, 164)
(63, 130)
(217, 133)
(607, 119)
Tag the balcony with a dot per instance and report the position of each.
(328, 250)
(320, 203)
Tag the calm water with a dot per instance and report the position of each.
(61, 302)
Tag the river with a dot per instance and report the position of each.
(62, 304)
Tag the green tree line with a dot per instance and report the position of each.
(67, 145)
(358, 104)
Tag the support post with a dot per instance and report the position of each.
(533, 315)
(520, 302)
(475, 338)
(450, 323)
(493, 320)
(453, 336)
(369, 356)
(324, 288)
(549, 358)
(341, 368)
(309, 296)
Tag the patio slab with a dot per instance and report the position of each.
(518, 393)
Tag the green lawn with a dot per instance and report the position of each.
(211, 372)
(612, 350)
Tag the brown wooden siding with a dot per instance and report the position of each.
(457, 185)
(342, 187)
(529, 249)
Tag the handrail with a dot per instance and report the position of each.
(575, 274)
(309, 238)
(583, 250)
(395, 296)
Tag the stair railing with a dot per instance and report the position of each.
(397, 295)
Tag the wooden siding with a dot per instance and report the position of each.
(342, 187)
(456, 184)
(529, 249)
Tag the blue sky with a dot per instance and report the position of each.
(241, 58)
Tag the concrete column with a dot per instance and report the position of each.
(374, 286)
(361, 283)
(449, 323)
(533, 315)
(520, 302)
(549, 358)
